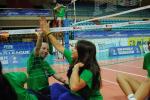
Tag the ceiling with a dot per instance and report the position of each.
(47, 3)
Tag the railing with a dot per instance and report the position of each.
(80, 11)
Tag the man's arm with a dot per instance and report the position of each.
(60, 79)
(38, 44)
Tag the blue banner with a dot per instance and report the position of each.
(112, 34)
(125, 50)
(15, 55)
(24, 12)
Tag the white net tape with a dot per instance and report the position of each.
(77, 28)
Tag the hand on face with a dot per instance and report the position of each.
(44, 25)
(79, 64)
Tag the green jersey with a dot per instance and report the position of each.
(146, 63)
(87, 76)
(61, 12)
(38, 70)
(17, 80)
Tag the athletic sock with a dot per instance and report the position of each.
(131, 97)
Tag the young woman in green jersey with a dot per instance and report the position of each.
(83, 74)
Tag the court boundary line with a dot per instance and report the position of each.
(129, 66)
(120, 62)
(111, 82)
(123, 64)
(123, 72)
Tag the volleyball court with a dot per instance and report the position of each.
(110, 62)
(121, 61)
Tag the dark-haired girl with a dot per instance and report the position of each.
(83, 74)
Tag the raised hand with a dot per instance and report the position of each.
(44, 25)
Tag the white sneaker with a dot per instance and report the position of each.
(131, 97)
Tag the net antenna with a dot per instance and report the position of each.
(112, 15)
(74, 10)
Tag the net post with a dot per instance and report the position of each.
(66, 34)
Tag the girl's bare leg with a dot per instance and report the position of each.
(128, 84)
(143, 91)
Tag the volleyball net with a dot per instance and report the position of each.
(117, 39)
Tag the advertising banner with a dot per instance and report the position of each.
(140, 42)
(15, 55)
(24, 12)
(112, 34)
(124, 50)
